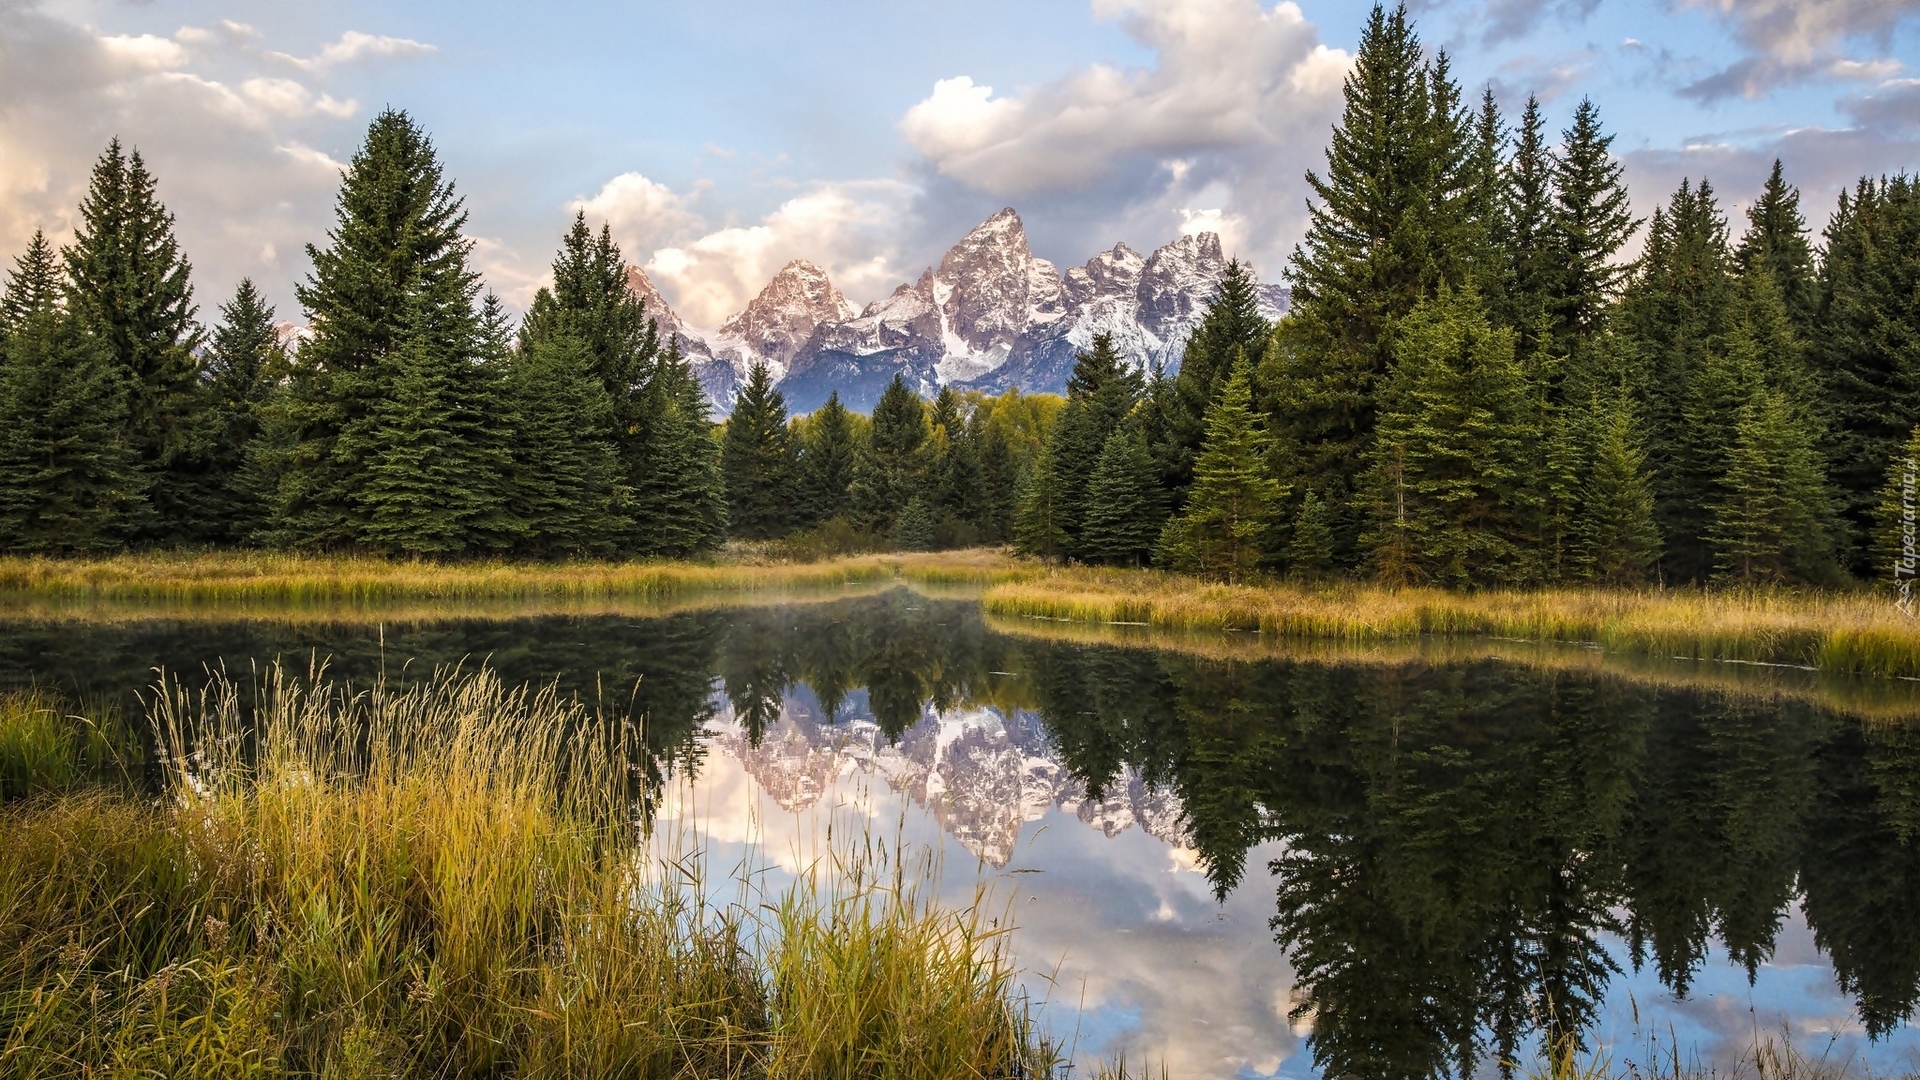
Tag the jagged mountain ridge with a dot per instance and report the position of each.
(991, 316)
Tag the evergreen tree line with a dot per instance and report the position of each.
(416, 420)
(1473, 388)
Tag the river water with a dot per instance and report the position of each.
(1237, 863)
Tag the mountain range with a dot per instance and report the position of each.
(992, 316)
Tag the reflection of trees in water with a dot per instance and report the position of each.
(1458, 838)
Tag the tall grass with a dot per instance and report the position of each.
(451, 881)
(45, 749)
(1852, 633)
(1768, 1057)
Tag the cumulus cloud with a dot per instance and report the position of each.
(643, 213)
(1229, 115)
(236, 150)
(354, 45)
(849, 229)
(1800, 40)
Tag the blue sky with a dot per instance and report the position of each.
(725, 137)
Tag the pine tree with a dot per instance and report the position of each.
(1384, 233)
(1125, 508)
(245, 366)
(69, 479)
(1770, 524)
(680, 504)
(1867, 343)
(1232, 326)
(1617, 541)
(397, 340)
(1101, 391)
(756, 461)
(1037, 528)
(1487, 203)
(1592, 220)
(826, 462)
(1310, 552)
(890, 468)
(568, 491)
(128, 285)
(1450, 477)
(1776, 241)
(1226, 528)
(1532, 270)
(913, 530)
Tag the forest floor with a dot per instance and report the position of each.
(1837, 632)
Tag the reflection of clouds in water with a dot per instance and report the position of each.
(1121, 939)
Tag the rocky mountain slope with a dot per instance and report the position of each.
(991, 316)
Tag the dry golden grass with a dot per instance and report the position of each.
(1849, 633)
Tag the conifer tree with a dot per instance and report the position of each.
(1776, 242)
(1592, 220)
(1101, 391)
(1384, 233)
(1487, 199)
(569, 494)
(69, 479)
(890, 467)
(826, 462)
(397, 342)
(1310, 552)
(1450, 476)
(1896, 536)
(1617, 542)
(1532, 271)
(129, 286)
(1125, 508)
(1037, 528)
(756, 461)
(1770, 523)
(680, 504)
(913, 530)
(245, 366)
(1231, 326)
(1225, 531)
(1867, 341)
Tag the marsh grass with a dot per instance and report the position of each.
(1849, 633)
(450, 880)
(44, 748)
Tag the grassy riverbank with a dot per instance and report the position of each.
(1843, 633)
(448, 882)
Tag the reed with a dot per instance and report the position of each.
(1850, 633)
(451, 881)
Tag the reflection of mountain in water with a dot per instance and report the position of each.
(982, 775)
(1468, 845)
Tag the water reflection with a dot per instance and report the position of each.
(1455, 851)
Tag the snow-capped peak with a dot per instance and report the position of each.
(779, 321)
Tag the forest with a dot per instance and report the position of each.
(1491, 374)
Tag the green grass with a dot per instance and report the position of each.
(451, 882)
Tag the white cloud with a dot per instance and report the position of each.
(1796, 40)
(354, 45)
(643, 213)
(284, 97)
(145, 51)
(851, 230)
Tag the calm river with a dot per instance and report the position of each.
(1367, 866)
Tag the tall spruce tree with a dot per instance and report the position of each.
(1384, 233)
(245, 365)
(70, 481)
(398, 342)
(756, 461)
(569, 491)
(1592, 220)
(680, 506)
(1102, 390)
(1231, 327)
(129, 285)
(890, 467)
(1487, 199)
(826, 462)
(1125, 508)
(1037, 526)
(1867, 342)
(1310, 549)
(1617, 541)
(1450, 478)
(1770, 523)
(1227, 528)
(1776, 241)
(1532, 266)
